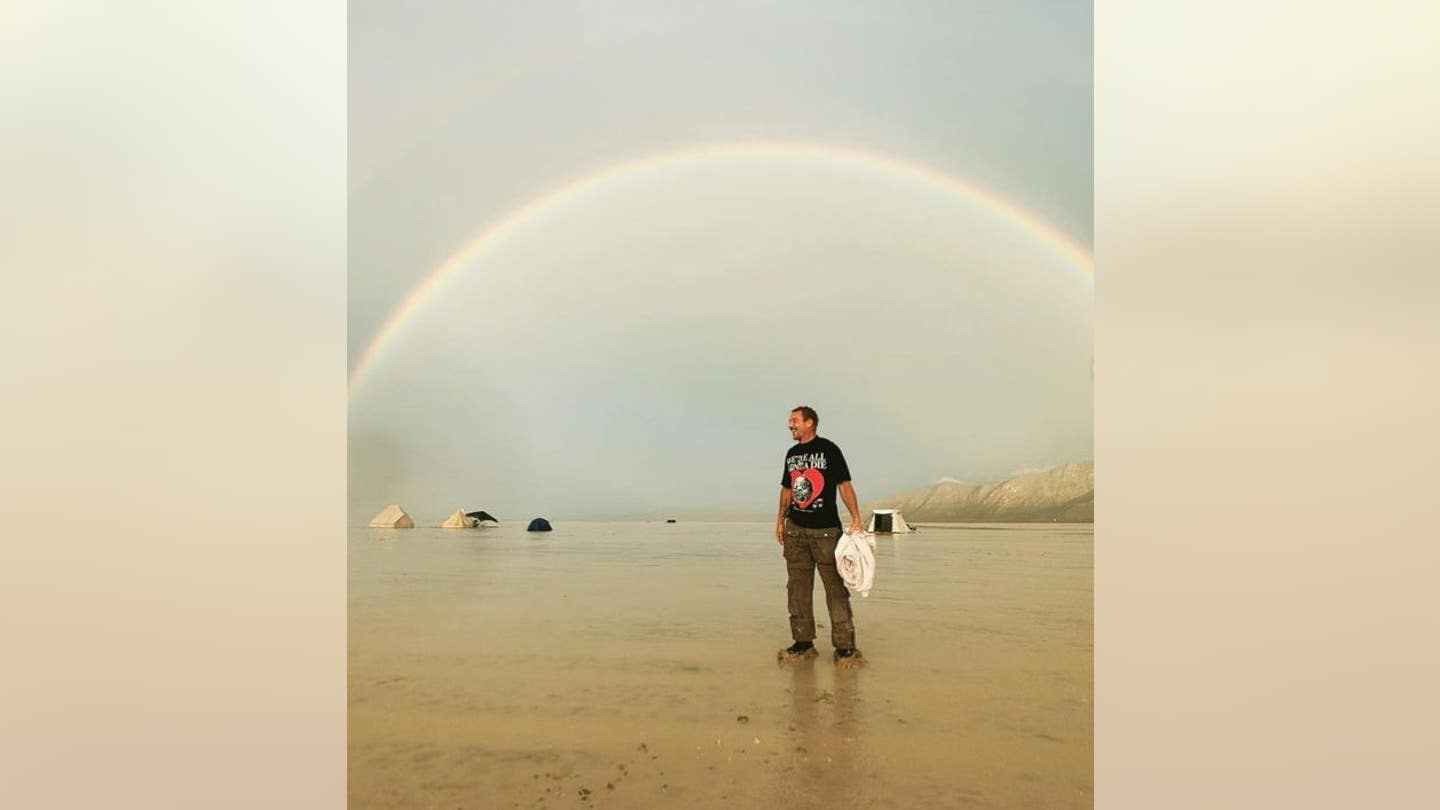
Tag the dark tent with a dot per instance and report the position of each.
(482, 515)
(539, 525)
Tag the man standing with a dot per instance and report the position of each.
(808, 528)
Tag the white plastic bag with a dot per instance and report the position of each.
(855, 559)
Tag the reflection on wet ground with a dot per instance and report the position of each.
(633, 665)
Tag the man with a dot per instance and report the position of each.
(808, 528)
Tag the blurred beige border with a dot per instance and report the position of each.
(1267, 368)
(173, 493)
(172, 267)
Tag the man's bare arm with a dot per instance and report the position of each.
(780, 517)
(847, 494)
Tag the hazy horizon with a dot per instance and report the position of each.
(757, 514)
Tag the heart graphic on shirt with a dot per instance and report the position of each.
(806, 486)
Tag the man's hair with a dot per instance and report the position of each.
(807, 413)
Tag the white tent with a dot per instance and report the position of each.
(392, 517)
(888, 520)
(459, 520)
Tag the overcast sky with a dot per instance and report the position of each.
(637, 348)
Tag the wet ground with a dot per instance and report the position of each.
(633, 665)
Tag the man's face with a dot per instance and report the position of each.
(800, 427)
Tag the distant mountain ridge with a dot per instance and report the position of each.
(1064, 494)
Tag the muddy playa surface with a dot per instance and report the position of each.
(634, 665)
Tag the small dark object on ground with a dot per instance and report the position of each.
(538, 525)
(742, 719)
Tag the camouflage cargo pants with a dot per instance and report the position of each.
(805, 551)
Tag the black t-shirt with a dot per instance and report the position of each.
(812, 472)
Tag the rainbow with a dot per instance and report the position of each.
(494, 234)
